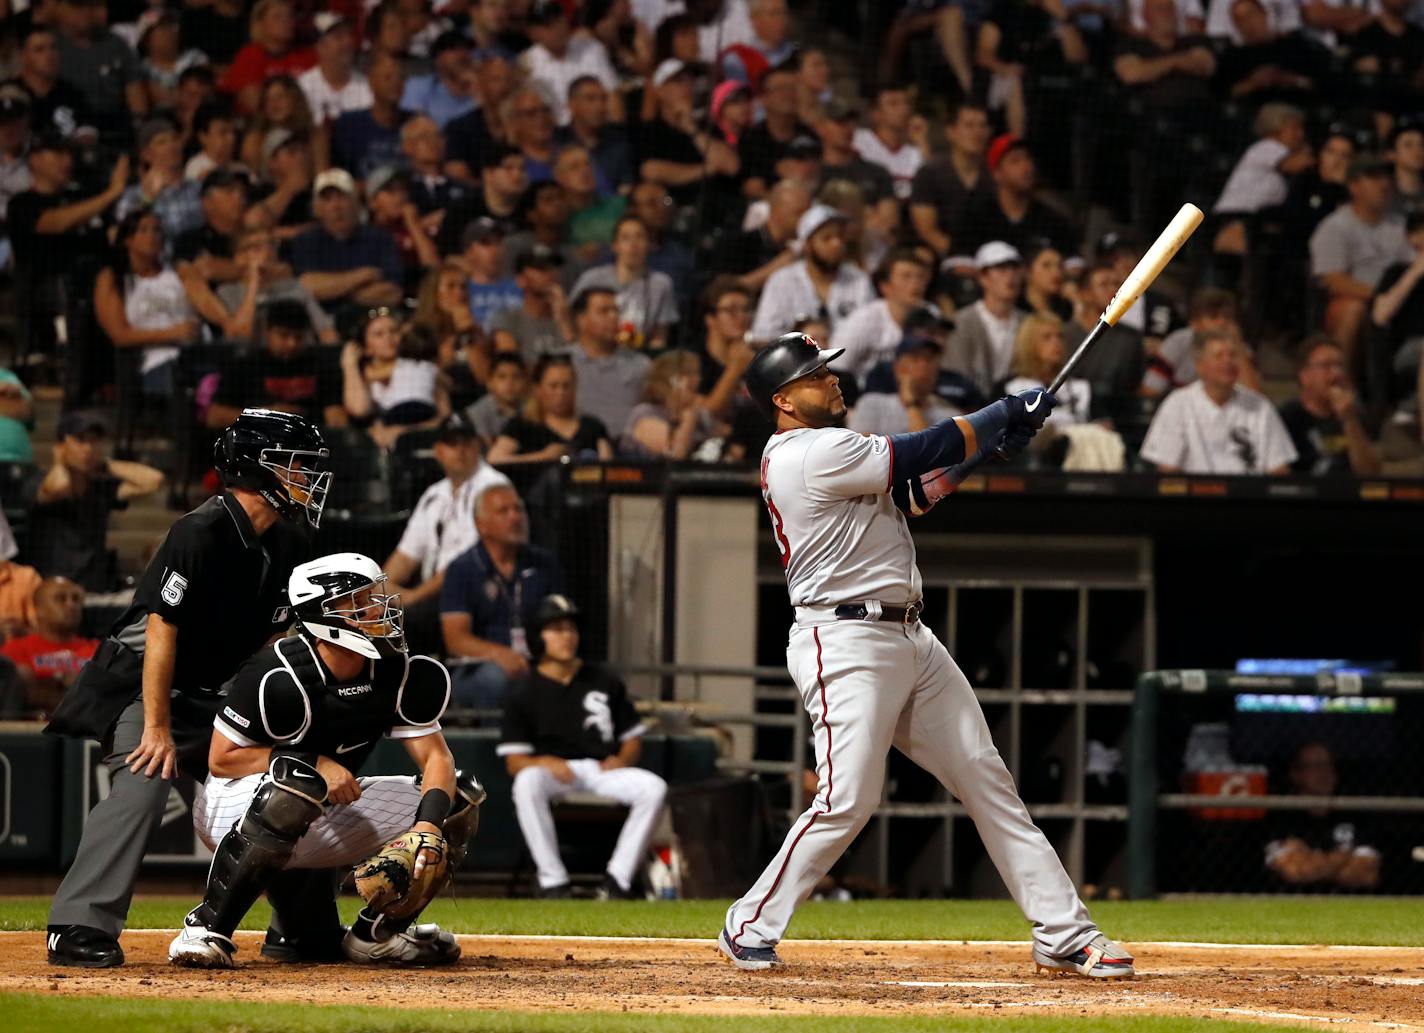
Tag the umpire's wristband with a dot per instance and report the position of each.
(434, 807)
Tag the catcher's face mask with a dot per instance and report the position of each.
(376, 616)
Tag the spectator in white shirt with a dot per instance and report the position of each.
(334, 86)
(1259, 179)
(1216, 426)
(821, 282)
(559, 56)
(442, 525)
(897, 140)
(982, 345)
(871, 334)
(915, 405)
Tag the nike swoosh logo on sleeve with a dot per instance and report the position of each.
(347, 749)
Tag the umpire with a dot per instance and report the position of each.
(211, 596)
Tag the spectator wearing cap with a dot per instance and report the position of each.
(55, 105)
(647, 307)
(391, 209)
(1406, 155)
(610, 373)
(506, 390)
(753, 255)
(51, 656)
(914, 405)
(589, 127)
(341, 260)
(490, 289)
(282, 111)
(284, 201)
(449, 91)
(257, 249)
(71, 506)
(502, 186)
(762, 147)
(159, 45)
(673, 149)
(1324, 419)
(471, 136)
(211, 247)
(161, 187)
(897, 139)
(840, 160)
(1013, 214)
(100, 65)
(529, 114)
(389, 385)
(731, 110)
(982, 345)
(769, 47)
(652, 203)
(423, 148)
(945, 188)
(368, 138)
(821, 281)
(1115, 365)
(334, 85)
(441, 526)
(1216, 426)
(1351, 249)
(545, 213)
(551, 425)
(216, 133)
(592, 218)
(560, 55)
(286, 375)
(540, 324)
(272, 50)
(872, 333)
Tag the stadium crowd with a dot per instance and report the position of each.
(506, 233)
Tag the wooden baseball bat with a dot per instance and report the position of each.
(1148, 268)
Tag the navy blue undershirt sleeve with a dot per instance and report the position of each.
(945, 443)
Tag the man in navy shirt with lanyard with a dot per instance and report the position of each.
(489, 598)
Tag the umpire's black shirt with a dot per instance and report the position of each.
(222, 585)
(589, 718)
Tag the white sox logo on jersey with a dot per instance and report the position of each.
(600, 715)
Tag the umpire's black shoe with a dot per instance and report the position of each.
(82, 946)
(319, 949)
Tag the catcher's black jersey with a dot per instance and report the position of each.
(285, 696)
(591, 717)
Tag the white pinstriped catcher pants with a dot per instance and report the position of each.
(344, 835)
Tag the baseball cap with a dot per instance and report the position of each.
(547, 12)
(803, 146)
(329, 21)
(1001, 146)
(152, 130)
(150, 20)
(482, 230)
(725, 92)
(1112, 242)
(219, 179)
(450, 39)
(817, 216)
(386, 175)
(494, 155)
(50, 139)
(278, 138)
(926, 317)
(996, 252)
(838, 109)
(669, 70)
(334, 179)
(455, 428)
(287, 313)
(80, 421)
(14, 101)
(914, 344)
(540, 256)
(1368, 164)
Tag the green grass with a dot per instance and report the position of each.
(1394, 922)
(26, 1012)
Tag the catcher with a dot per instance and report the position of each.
(282, 801)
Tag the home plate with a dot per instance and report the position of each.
(964, 984)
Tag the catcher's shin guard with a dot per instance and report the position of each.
(282, 810)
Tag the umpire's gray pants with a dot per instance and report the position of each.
(99, 885)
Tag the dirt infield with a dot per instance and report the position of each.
(1348, 988)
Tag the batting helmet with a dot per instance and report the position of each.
(551, 608)
(789, 357)
(279, 455)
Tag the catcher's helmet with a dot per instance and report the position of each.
(280, 456)
(789, 357)
(322, 594)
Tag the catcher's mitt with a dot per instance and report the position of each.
(387, 880)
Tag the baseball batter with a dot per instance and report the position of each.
(870, 674)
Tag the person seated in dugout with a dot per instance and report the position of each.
(1315, 848)
(569, 727)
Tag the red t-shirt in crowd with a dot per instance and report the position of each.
(253, 64)
(47, 658)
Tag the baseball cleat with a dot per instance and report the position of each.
(82, 946)
(1100, 958)
(418, 945)
(315, 948)
(749, 958)
(196, 947)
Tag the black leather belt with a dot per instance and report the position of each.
(895, 613)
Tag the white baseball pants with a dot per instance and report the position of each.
(536, 788)
(872, 685)
(344, 835)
